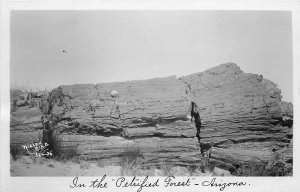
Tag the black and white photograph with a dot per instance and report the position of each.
(151, 93)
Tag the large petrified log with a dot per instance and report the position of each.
(240, 113)
(236, 113)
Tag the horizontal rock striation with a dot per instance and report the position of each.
(144, 108)
(240, 114)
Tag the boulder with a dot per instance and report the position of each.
(169, 119)
(114, 94)
(21, 103)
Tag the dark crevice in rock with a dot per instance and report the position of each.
(109, 132)
(265, 139)
(196, 118)
(287, 122)
(195, 115)
(155, 135)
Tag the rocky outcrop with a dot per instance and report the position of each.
(286, 110)
(287, 114)
(238, 114)
(20, 98)
(25, 125)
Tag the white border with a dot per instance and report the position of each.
(32, 184)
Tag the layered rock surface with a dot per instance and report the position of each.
(26, 125)
(241, 116)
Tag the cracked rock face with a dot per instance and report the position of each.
(240, 115)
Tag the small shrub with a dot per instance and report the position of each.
(251, 169)
(166, 167)
(132, 161)
(276, 167)
(132, 154)
(130, 168)
(85, 165)
(16, 151)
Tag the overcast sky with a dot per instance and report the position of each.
(52, 48)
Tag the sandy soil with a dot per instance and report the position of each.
(27, 166)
